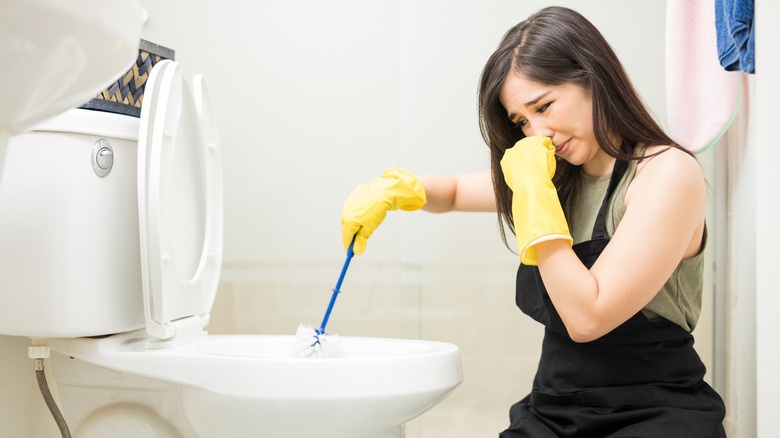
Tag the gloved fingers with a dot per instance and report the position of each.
(367, 205)
(530, 158)
(361, 241)
(348, 231)
(537, 140)
(404, 190)
(361, 233)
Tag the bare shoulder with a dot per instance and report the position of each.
(664, 156)
(666, 205)
(671, 169)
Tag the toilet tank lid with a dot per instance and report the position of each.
(90, 122)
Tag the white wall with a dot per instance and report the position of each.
(765, 115)
(316, 97)
(749, 327)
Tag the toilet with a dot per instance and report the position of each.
(111, 229)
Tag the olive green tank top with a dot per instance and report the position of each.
(679, 300)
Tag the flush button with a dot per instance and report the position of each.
(105, 158)
(102, 158)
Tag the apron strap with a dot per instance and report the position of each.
(618, 170)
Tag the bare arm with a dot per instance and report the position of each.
(466, 192)
(663, 224)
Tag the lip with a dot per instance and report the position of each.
(562, 148)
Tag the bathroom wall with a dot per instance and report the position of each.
(767, 94)
(753, 365)
(315, 97)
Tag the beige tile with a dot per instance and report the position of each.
(223, 311)
(365, 309)
(500, 349)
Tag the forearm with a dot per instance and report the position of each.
(573, 289)
(439, 192)
(466, 192)
(593, 302)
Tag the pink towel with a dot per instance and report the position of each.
(702, 99)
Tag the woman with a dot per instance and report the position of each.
(608, 213)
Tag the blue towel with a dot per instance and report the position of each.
(736, 35)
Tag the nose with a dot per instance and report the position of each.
(538, 127)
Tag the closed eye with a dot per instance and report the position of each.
(541, 109)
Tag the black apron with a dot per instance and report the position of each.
(643, 379)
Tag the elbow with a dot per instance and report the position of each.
(588, 321)
(584, 332)
(581, 337)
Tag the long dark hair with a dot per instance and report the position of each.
(556, 46)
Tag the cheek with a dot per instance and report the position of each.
(583, 117)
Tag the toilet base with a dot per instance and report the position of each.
(126, 420)
(132, 420)
(98, 402)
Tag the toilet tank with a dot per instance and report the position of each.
(69, 239)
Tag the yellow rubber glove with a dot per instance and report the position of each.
(528, 170)
(367, 205)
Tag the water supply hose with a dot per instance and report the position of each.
(39, 353)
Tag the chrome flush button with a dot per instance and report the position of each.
(102, 158)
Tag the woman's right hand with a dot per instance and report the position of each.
(528, 169)
(367, 205)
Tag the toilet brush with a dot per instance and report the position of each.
(311, 342)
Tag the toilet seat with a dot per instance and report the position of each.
(179, 206)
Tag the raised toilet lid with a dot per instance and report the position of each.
(179, 204)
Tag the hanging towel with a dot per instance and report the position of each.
(701, 98)
(736, 35)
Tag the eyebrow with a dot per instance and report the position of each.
(530, 103)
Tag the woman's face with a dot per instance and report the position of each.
(562, 112)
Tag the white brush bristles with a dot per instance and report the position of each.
(310, 344)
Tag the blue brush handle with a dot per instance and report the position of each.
(337, 290)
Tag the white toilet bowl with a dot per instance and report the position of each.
(112, 234)
(249, 386)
